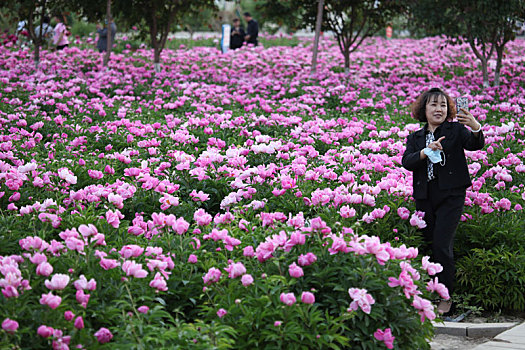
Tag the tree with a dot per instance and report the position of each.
(283, 13)
(194, 21)
(94, 11)
(31, 11)
(352, 21)
(487, 25)
(156, 18)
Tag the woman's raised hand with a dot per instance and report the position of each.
(465, 118)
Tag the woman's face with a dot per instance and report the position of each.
(436, 110)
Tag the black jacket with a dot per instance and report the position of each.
(253, 31)
(454, 174)
(237, 39)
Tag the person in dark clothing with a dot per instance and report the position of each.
(435, 155)
(237, 35)
(102, 43)
(252, 31)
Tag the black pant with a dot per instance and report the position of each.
(443, 210)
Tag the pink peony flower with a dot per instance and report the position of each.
(69, 315)
(45, 331)
(58, 282)
(308, 298)
(180, 226)
(159, 283)
(79, 323)
(295, 271)
(386, 337)
(199, 196)
(103, 335)
(10, 326)
(264, 251)
(53, 301)
(308, 259)
(347, 212)
(44, 269)
(82, 298)
(83, 283)
(425, 308)
(87, 230)
(235, 270)
(221, 313)
(116, 199)
(431, 268)
(416, 220)
(143, 309)
(248, 251)
(403, 213)
(246, 280)
(108, 264)
(288, 298)
(213, 275)
(202, 218)
(440, 288)
(95, 174)
(192, 259)
(361, 299)
(113, 217)
(131, 250)
(131, 268)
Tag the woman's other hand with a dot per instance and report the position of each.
(436, 145)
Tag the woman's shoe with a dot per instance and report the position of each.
(444, 306)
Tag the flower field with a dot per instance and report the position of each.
(237, 201)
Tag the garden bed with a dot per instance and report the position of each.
(235, 200)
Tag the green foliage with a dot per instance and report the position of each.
(284, 14)
(82, 29)
(485, 273)
(486, 25)
(156, 18)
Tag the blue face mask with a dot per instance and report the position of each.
(434, 156)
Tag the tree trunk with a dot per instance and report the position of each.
(483, 56)
(499, 63)
(155, 42)
(37, 41)
(485, 72)
(346, 54)
(108, 37)
(37, 55)
(156, 57)
(318, 23)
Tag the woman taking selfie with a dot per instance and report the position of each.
(435, 155)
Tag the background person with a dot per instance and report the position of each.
(47, 31)
(22, 35)
(102, 43)
(237, 35)
(440, 187)
(252, 30)
(60, 39)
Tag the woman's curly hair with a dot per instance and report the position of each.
(419, 106)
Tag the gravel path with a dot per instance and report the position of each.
(451, 342)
